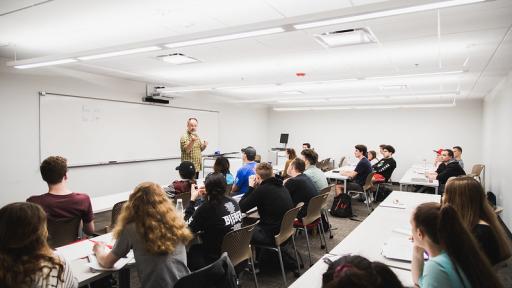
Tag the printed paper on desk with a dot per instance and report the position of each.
(393, 204)
(76, 250)
(93, 264)
(398, 249)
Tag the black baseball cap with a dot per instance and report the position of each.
(249, 151)
(187, 169)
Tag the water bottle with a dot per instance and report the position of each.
(179, 206)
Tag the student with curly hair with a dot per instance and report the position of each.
(149, 225)
(26, 260)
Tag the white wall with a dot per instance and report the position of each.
(413, 132)
(497, 141)
(19, 171)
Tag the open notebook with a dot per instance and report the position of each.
(398, 248)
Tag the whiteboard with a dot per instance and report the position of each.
(90, 131)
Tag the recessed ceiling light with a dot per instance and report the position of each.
(226, 37)
(177, 58)
(292, 92)
(120, 53)
(48, 63)
(393, 87)
(346, 37)
(385, 13)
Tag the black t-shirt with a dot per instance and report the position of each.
(363, 168)
(488, 242)
(272, 200)
(385, 167)
(301, 189)
(215, 220)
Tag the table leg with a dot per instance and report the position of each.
(345, 186)
(437, 190)
(401, 187)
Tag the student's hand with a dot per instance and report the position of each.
(99, 248)
(194, 192)
(205, 143)
(252, 180)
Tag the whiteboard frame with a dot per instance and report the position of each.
(44, 93)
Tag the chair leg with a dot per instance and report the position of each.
(326, 215)
(307, 242)
(377, 193)
(368, 201)
(254, 270)
(322, 235)
(282, 265)
(296, 254)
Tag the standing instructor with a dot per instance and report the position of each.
(191, 145)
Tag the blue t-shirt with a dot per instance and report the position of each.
(439, 271)
(363, 168)
(242, 177)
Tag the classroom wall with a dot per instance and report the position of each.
(497, 141)
(413, 132)
(19, 150)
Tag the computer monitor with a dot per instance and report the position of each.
(284, 138)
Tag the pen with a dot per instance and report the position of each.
(96, 242)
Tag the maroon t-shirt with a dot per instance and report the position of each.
(65, 206)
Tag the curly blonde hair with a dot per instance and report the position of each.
(155, 218)
(24, 251)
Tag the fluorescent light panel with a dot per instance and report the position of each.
(225, 37)
(177, 58)
(48, 63)
(386, 13)
(120, 53)
(323, 108)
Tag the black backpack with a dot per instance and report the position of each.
(342, 206)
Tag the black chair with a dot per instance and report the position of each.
(116, 210)
(219, 274)
(63, 231)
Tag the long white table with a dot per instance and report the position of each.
(416, 176)
(105, 203)
(335, 174)
(369, 237)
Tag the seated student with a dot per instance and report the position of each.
(290, 154)
(455, 258)
(272, 200)
(241, 184)
(314, 173)
(187, 172)
(357, 271)
(363, 168)
(221, 165)
(300, 186)
(467, 196)
(372, 157)
(448, 168)
(439, 158)
(306, 146)
(60, 202)
(381, 149)
(26, 260)
(386, 165)
(217, 216)
(149, 225)
(457, 154)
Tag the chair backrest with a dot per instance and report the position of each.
(116, 210)
(341, 161)
(219, 274)
(477, 169)
(257, 158)
(185, 198)
(287, 229)
(62, 231)
(315, 208)
(328, 190)
(238, 244)
(368, 182)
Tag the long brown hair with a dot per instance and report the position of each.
(291, 153)
(155, 219)
(467, 196)
(444, 228)
(24, 251)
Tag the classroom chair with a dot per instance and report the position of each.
(237, 244)
(116, 210)
(63, 231)
(287, 230)
(476, 171)
(219, 274)
(331, 189)
(313, 218)
(366, 191)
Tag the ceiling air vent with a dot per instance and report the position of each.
(346, 37)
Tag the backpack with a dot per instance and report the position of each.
(342, 206)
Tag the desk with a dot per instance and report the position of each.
(369, 237)
(75, 254)
(335, 174)
(416, 176)
(105, 203)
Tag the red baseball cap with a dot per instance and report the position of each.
(438, 151)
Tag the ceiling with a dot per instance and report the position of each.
(424, 57)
